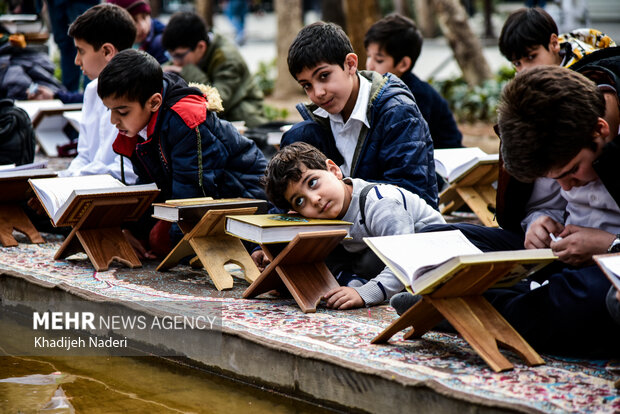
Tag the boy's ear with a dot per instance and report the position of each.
(602, 132)
(554, 43)
(201, 47)
(402, 66)
(350, 63)
(334, 169)
(109, 51)
(154, 102)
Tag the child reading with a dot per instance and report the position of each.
(148, 30)
(367, 123)
(301, 178)
(172, 135)
(99, 34)
(393, 44)
(199, 55)
(530, 38)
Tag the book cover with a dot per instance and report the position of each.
(277, 228)
(425, 261)
(193, 209)
(66, 199)
(455, 163)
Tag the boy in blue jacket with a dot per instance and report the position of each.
(393, 44)
(368, 123)
(172, 135)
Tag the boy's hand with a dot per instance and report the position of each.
(138, 246)
(42, 92)
(579, 244)
(260, 259)
(343, 297)
(172, 68)
(537, 236)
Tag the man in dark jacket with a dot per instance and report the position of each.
(367, 123)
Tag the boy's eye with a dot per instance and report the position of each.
(306, 86)
(531, 57)
(312, 182)
(516, 63)
(122, 113)
(298, 202)
(324, 75)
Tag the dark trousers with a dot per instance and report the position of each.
(567, 316)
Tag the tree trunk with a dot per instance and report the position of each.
(289, 14)
(361, 14)
(204, 9)
(333, 11)
(425, 18)
(488, 23)
(402, 7)
(465, 45)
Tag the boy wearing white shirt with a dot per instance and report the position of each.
(99, 34)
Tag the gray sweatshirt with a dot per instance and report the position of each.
(389, 210)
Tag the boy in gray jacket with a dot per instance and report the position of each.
(301, 178)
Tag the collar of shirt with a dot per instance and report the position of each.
(360, 109)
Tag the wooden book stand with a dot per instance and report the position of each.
(98, 233)
(13, 217)
(14, 190)
(300, 267)
(214, 248)
(476, 190)
(460, 301)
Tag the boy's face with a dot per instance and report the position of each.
(92, 61)
(380, 61)
(579, 171)
(183, 55)
(319, 193)
(143, 26)
(539, 55)
(129, 117)
(332, 87)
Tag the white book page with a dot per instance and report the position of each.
(410, 252)
(612, 265)
(55, 191)
(450, 163)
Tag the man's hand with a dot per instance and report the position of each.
(578, 244)
(537, 236)
(343, 298)
(260, 259)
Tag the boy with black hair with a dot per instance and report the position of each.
(558, 129)
(172, 135)
(99, 34)
(393, 44)
(149, 31)
(530, 38)
(201, 56)
(367, 123)
(301, 178)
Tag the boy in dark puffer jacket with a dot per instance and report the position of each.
(367, 123)
(171, 134)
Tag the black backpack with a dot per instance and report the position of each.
(17, 139)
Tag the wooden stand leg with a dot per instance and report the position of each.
(478, 204)
(213, 249)
(300, 266)
(422, 317)
(98, 233)
(482, 327)
(13, 217)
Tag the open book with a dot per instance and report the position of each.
(277, 228)
(64, 198)
(424, 261)
(610, 265)
(192, 209)
(14, 181)
(454, 163)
